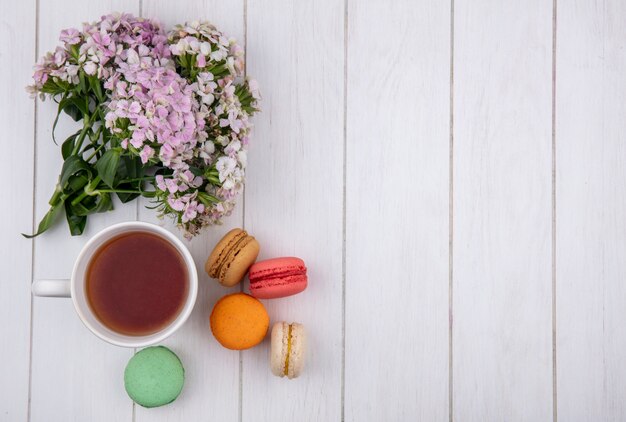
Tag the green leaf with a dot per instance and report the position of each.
(76, 183)
(94, 84)
(74, 103)
(75, 222)
(99, 202)
(126, 197)
(46, 221)
(82, 84)
(83, 208)
(105, 203)
(68, 145)
(107, 166)
(207, 199)
(51, 87)
(130, 168)
(73, 111)
(72, 166)
(60, 108)
(72, 106)
(196, 171)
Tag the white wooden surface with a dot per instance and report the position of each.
(294, 196)
(502, 282)
(591, 211)
(17, 209)
(397, 211)
(453, 173)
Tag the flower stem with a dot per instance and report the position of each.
(117, 191)
(151, 178)
(87, 191)
(93, 154)
(81, 137)
(56, 195)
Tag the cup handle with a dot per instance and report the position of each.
(51, 288)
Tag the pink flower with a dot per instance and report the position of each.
(191, 210)
(70, 36)
(90, 68)
(137, 138)
(146, 154)
(176, 203)
(160, 182)
(235, 124)
(171, 185)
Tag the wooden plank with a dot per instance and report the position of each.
(17, 44)
(294, 196)
(212, 372)
(397, 191)
(75, 376)
(502, 353)
(591, 210)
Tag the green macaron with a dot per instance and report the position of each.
(154, 377)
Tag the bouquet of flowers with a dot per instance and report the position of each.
(164, 116)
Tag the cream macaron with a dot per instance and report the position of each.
(288, 349)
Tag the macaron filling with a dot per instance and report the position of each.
(286, 371)
(260, 276)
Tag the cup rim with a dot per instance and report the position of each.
(189, 302)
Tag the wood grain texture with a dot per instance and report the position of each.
(211, 390)
(397, 255)
(397, 187)
(294, 197)
(75, 375)
(17, 46)
(502, 285)
(591, 210)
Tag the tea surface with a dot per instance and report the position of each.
(137, 283)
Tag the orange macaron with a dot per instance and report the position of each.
(239, 321)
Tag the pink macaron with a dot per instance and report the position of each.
(277, 277)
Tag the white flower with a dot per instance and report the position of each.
(206, 150)
(253, 85)
(90, 68)
(242, 156)
(194, 45)
(72, 70)
(132, 57)
(218, 55)
(233, 147)
(225, 166)
(205, 48)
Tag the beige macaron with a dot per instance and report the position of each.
(231, 257)
(288, 349)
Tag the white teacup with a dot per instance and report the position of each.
(75, 287)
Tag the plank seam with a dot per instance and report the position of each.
(451, 225)
(554, 363)
(243, 200)
(34, 223)
(344, 214)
